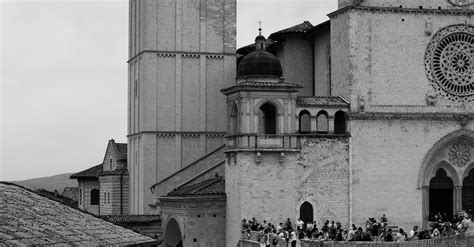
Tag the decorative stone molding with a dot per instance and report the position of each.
(281, 159)
(165, 135)
(361, 103)
(411, 116)
(191, 135)
(166, 55)
(449, 62)
(459, 154)
(431, 98)
(187, 55)
(258, 158)
(461, 3)
(215, 56)
(428, 27)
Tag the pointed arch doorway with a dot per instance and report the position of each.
(441, 194)
(306, 212)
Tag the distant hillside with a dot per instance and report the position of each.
(57, 182)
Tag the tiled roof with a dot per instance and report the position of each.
(321, 101)
(249, 48)
(57, 197)
(71, 192)
(122, 150)
(262, 85)
(27, 218)
(122, 171)
(300, 28)
(124, 219)
(92, 172)
(214, 186)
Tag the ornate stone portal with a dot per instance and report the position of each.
(449, 63)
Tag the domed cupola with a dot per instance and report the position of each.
(260, 63)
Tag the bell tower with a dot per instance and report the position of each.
(262, 127)
(181, 53)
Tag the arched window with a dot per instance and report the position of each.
(305, 122)
(441, 195)
(340, 122)
(267, 123)
(322, 122)
(306, 212)
(234, 120)
(468, 192)
(95, 196)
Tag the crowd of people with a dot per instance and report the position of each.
(270, 235)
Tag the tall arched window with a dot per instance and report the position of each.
(441, 195)
(306, 212)
(322, 122)
(95, 196)
(305, 122)
(468, 192)
(234, 120)
(267, 123)
(340, 126)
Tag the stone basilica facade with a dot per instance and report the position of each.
(369, 113)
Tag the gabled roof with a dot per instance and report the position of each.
(121, 150)
(27, 218)
(301, 28)
(321, 101)
(71, 192)
(92, 172)
(213, 186)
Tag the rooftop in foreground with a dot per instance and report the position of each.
(27, 218)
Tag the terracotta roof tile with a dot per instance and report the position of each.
(321, 101)
(122, 171)
(299, 28)
(122, 150)
(121, 219)
(92, 172)
(214, 186)
(28, 218)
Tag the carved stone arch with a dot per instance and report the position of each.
(466, 171)
(279, 107)
(434, 152)
(450, 172)
(306, 200)
(234, 118)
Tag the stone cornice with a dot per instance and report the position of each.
(193, 54)
(184, 133)
(412, 116)
(402, 10)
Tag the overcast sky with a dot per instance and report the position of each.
(64, 76)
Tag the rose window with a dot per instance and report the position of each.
(449, 62)
(459, 154)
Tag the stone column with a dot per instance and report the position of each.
(457, 196)
(426, 204)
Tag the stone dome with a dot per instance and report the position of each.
(259, 63)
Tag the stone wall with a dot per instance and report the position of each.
(201, 220)
(457, 240)
(296, 61)
(273, 191)
(386, 61)
(181, 54)
(114, 197)
(86, 185)
(386, 159)
(322, 73)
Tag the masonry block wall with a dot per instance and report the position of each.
(182, 52)
(114, 194)
(296, 61)
(85, 188)
(274, 191)
(322, 73)
(385, 63)
(201, 220)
